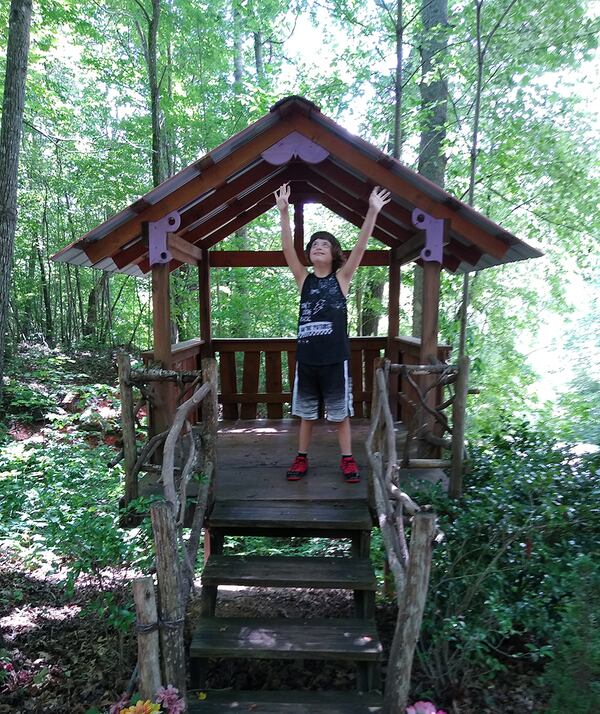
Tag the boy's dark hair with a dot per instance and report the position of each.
(336, 249)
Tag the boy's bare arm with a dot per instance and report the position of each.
(299, 272)
(377, 200)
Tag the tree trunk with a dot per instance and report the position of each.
(373, 295)
(158, 152)
(397, 139)
(258, 56)
(10, 143)
(434, 105)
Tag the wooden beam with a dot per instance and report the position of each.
(226, 191)
(299, 229)
(204, 300)
(276, 259)
(394, 294)
(211, 177)
(355, 204)
(233, 209)
(411, 249)
(386, 179)
(430, 316)
(357, 220)
(239, 222)
(163, 410)
(361, 189)
(182, 250)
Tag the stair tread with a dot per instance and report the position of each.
(286, 702)
(282, 571)
(348, 515)
(273, 638)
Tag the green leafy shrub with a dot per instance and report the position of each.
(501, 576)
(575, 666)
(26, 402)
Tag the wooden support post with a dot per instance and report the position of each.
(204, 301)
(429, 339)
(148, 648)
(431, 306)
(299, 230)
(410, 614)
(394, 328)
(171, 611)
(127, 426)
(459, 407)
(161, 320)
(210, 412)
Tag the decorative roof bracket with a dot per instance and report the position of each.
(158, 248)
(294, 145)
(435, 230)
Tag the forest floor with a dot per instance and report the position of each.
(65, 656)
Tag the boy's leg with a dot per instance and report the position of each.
(305, 404)
(344, 436)
(304, 437)
(337, 391)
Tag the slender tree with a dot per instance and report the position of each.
(10, 141)
(434, 110)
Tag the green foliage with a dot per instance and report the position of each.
(501, 576)
(574, 672)
(59, 497)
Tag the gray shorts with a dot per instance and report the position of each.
(330, 384)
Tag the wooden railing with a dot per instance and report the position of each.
(256, 375)
(261, 371)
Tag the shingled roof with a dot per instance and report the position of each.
(233, 184)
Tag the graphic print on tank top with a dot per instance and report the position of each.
(322, 324)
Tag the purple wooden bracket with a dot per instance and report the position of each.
(294, 144)
(434, 235)
(158, 251)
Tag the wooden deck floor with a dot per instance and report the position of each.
(253, 457)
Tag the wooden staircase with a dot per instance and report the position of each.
(317, 638)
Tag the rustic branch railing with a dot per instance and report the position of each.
(410, 566)
(430, 423)
(175, 563)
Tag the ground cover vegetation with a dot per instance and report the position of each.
(110, 112)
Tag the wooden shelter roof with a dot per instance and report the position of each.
(233, 184)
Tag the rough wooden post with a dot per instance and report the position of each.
(148, 649)
(459, 408)
(410, 614)
(210, 410)
(169, 596)
(127, 426)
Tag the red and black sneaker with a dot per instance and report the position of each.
(350, 469)
(298, 469)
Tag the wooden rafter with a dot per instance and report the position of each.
(214, 175)
(383, 177)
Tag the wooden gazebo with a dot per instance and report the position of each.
(181, 220)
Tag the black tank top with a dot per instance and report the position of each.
(323, 322)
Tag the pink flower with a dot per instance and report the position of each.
(170, 699)
(422, 707)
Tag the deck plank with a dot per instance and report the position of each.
(272, 638)
(290, 572)
(286, 702)
(301, 515)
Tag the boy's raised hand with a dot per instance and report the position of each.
(282, 196)
(378, 198)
